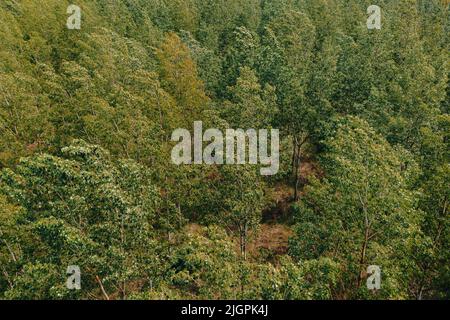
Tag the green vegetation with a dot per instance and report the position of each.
(86, 177)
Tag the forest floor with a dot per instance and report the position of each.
(272, 238)
(271, 241)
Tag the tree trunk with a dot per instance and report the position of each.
(363, 257)
(101, 287)
(296, 161)
(11, 252)
(297, 176)
(243, 241)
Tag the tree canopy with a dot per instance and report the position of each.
(86, 177)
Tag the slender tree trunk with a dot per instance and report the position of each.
(124, 290)
(296, 160)
(101, 287)
(11, 252)
(5, 273)
(243, 240)
(161, 117)
(294, 155)
(297, 175)
(363, 257)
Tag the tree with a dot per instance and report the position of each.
(24, 120)
(83, 209)
(307, 280)
(8, 244)
(251, 106)
(363, 212)
(242, 201)
(204, 263)
(208, 63)
(432, 277)
(179, 77)
(303, 79)
(242, 49)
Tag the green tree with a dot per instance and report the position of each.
(251, 106)
(362, 213)
(84, 209)
(242, 201)
(180, 78)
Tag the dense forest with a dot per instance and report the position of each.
(86, 177)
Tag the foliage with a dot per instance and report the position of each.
(86, 178)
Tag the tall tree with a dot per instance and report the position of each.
(180, 78)
(362, 213)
